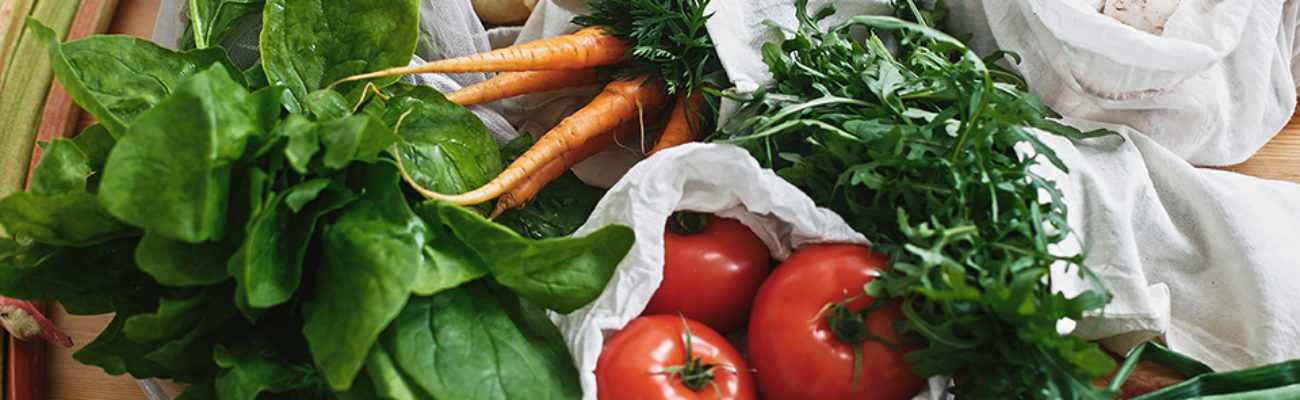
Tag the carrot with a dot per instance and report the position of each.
(510, 84)
(684, 124)
(619, 102)
(588, 47)
(524, 191)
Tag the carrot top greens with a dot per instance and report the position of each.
(668, 37)
(920, 149)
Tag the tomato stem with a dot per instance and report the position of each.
(695, 374)
(687, 223)
(851, 328)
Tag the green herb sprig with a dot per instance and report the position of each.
(909, 136)
(670, 41)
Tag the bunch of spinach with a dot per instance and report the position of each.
(252, 234)
(909, 136)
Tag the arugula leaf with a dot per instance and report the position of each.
(116, 78)
(917, 146)
(472, 342)
(170, 173)
(308, 44)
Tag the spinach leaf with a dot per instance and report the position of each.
(327, 105)
(341, 141)
(255, 365)
(557, 210)
(176, 263)
(562, 274)
(268, 268)
(209, 19)
(58, 209)
(71, 218)
(115, 351)
(170, 173)
(178, 332)
(63, 168)
(95, 142)
(473, 342)
(116, 78)
(41, 272)
(372, 256)
(444, 147)
(309, 44)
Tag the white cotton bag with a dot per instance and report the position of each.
(1213, 86)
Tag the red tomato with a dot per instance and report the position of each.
(634, 362)
(711, 276)
(791, 347)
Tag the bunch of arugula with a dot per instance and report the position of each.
(909, 136)
(251, 233)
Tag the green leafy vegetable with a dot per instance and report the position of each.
(561, 274)
(170, 173)
(308, 44)
(269, 266)
(440, 142)
(63, 168)
(210, 19)
(918, 148)
(480, 344)
(176, 263)
(257, 365)
(115, 78)
(198, 179)
(670, 41)
(71, 218)
(373, 253)
(42, 272)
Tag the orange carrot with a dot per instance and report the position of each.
(510, 84)
(684, 124)
(619, 102)
(588, 47)
(524, 191)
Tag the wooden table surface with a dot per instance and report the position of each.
(67, 379)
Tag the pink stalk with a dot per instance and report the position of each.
(24, 322)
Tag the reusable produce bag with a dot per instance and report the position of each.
(1212, 87)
